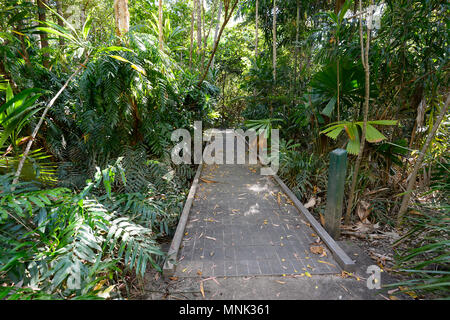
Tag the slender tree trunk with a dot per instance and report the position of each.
(83, 13)
(44, 39)
(412, 179)
(256, 28)
(365, 62)
(219, 14)
(122, 17)
(338, 84)
(59, 10)
(192, 33)
(229, 7)
(297, 23)
(274, 44)
(41, 121)
(338, 5)
(199, 26)
(206, 34)
(160, 24)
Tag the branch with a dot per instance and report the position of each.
(228, 14)
(41, 120)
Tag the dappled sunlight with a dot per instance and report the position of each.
(254, 209)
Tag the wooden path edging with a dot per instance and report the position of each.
(169, 266)
(344, 261)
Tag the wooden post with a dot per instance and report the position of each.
(335, 194)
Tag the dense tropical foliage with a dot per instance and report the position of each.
(90, 92)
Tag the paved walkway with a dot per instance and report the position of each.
(242, 224)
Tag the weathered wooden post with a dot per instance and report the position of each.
(335, 194)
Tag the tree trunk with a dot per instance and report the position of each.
(338, 6)
(199, 26)
(365, 62)
(206, 34)
(122, 17)
(256, 28)
(192, 34)
(44, 40)
(59, 10)
(229, 8)
(83, 13)
(160, 24)
(274, 44)
(297, 23)
(412, 179)
(219, 14)
(41, 121)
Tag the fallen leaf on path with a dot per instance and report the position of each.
(208, 181)
(308, 274)
(322, 219)
(281, 282)
(202, 290)
(330, 264)
(173, 278)
(211, 278)
(317, 249)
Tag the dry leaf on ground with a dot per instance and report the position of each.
(311, 203)
(316, 249)
(202, 290)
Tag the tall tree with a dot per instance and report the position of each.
(59, 10)
(256, 27)
(122, 17)
(338, 6)
(297, 23)
(274, 41)
(192, 32)
(366, 65)
(206, 34)
(229, 7)
(216, 32)
(43, 36)
(160, 24)
(199, 26)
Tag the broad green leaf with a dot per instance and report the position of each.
(384, 122)
(335, 132)
(353, 147)
(373, 135)
(328, 110)
(56, 32)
